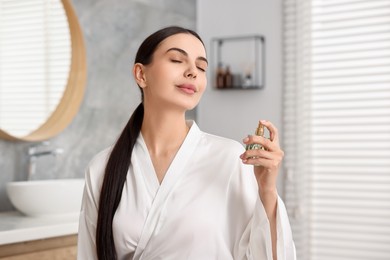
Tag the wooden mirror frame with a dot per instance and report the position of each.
(74, 91)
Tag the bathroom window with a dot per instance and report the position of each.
(337, 127)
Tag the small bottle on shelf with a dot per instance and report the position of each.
(220, 76)
(228, 78)
(247, 81)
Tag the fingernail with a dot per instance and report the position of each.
(246, 139)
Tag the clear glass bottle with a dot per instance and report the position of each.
(247, 81)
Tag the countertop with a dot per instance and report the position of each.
(16, 227)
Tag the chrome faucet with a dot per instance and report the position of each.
(36, 151)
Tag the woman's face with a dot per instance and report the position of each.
(176, 77)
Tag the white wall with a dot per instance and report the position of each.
(235, 113)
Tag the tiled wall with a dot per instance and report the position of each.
(113, 30)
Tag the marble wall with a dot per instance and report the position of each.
(113, 30)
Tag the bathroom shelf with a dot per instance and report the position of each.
(242, 56)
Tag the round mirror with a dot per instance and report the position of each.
(42, 68)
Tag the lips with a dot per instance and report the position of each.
(187, 88)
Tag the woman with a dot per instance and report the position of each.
(167, 190)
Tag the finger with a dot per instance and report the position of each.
(256, 153)
(266, 163)
(265, 142)
(276, 157)
(273, 131)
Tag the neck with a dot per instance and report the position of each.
(163, 131)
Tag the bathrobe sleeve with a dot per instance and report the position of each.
(86, 246)
(260, 246)
(255, 242)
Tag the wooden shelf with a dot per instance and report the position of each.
(46, 249)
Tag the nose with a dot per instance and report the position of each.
(191, 72)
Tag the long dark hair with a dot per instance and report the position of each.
(120, 157)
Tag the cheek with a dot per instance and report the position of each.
(203, 83)
(155, 77)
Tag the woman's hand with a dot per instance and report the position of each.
(266, 167)
(266, 162)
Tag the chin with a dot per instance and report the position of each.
(183, 103)
(191, 106)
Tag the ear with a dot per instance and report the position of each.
(139, 74)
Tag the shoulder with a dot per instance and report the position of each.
(211, 143)
(222, 143)
(242, 181)
(101, 157)
(98, 163)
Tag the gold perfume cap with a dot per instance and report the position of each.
(260, 129)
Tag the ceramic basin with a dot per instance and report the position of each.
(46, 197)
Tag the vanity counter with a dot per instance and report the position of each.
(16, 227)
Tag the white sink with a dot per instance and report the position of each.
(47, 197)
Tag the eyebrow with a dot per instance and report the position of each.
(186, 54)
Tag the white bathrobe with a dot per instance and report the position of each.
(207, 206)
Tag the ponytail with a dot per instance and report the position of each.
(114, 180)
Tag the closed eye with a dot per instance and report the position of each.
(176, 61)
(201, 69)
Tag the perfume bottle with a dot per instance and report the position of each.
(259, 132)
